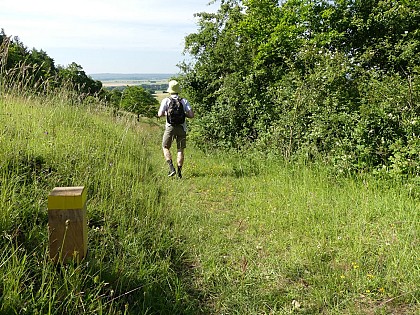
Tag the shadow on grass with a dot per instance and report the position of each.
(147, 270)
(112, 278)
(104, 284)
(155, 293)
(236, 171)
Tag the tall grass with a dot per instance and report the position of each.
(131, 247)
(278, 238)
(240, 234)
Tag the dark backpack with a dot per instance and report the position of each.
(176, 114)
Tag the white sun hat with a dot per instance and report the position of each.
(174, 87)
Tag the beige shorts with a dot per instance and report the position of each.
(174, 132)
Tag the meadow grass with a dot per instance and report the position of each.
(239, 234)
(278, 238)
(45, 145)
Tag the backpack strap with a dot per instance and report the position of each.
(180, 108)
(172, 98)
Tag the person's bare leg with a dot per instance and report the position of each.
(168, 158)
(180, 157)
(180, 161)
(167, 154)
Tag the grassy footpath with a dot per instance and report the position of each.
(266, 238)
(238, 235)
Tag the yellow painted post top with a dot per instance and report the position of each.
(61, 198)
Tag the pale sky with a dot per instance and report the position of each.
(115, 36)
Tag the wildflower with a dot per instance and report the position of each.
(381, 290)
(342, 276)
(295, 304)
(367, 291)
(370, 276)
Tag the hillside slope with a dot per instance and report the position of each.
(240, 234)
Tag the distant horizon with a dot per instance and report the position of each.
(112, 76)
(105, 36)
(134, 73)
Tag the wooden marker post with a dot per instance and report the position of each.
(67, 223)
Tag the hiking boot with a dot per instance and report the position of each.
(171, 173)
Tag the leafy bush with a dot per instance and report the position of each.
(319, 80)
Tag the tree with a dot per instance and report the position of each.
(380, 34)
(139, 101)
(74, 76)
(295, 75)
(37, 71)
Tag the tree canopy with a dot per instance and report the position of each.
(37, 71)
(137, 100)
(336, 80)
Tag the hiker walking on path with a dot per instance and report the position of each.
(176, 109)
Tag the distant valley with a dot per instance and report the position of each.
(131, 76)
(150, 80)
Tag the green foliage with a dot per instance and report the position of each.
(74, 76)
(388, 128)
(325, 80)
(380, 34)
(23, 70)
(113, 98)
(137, 100)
